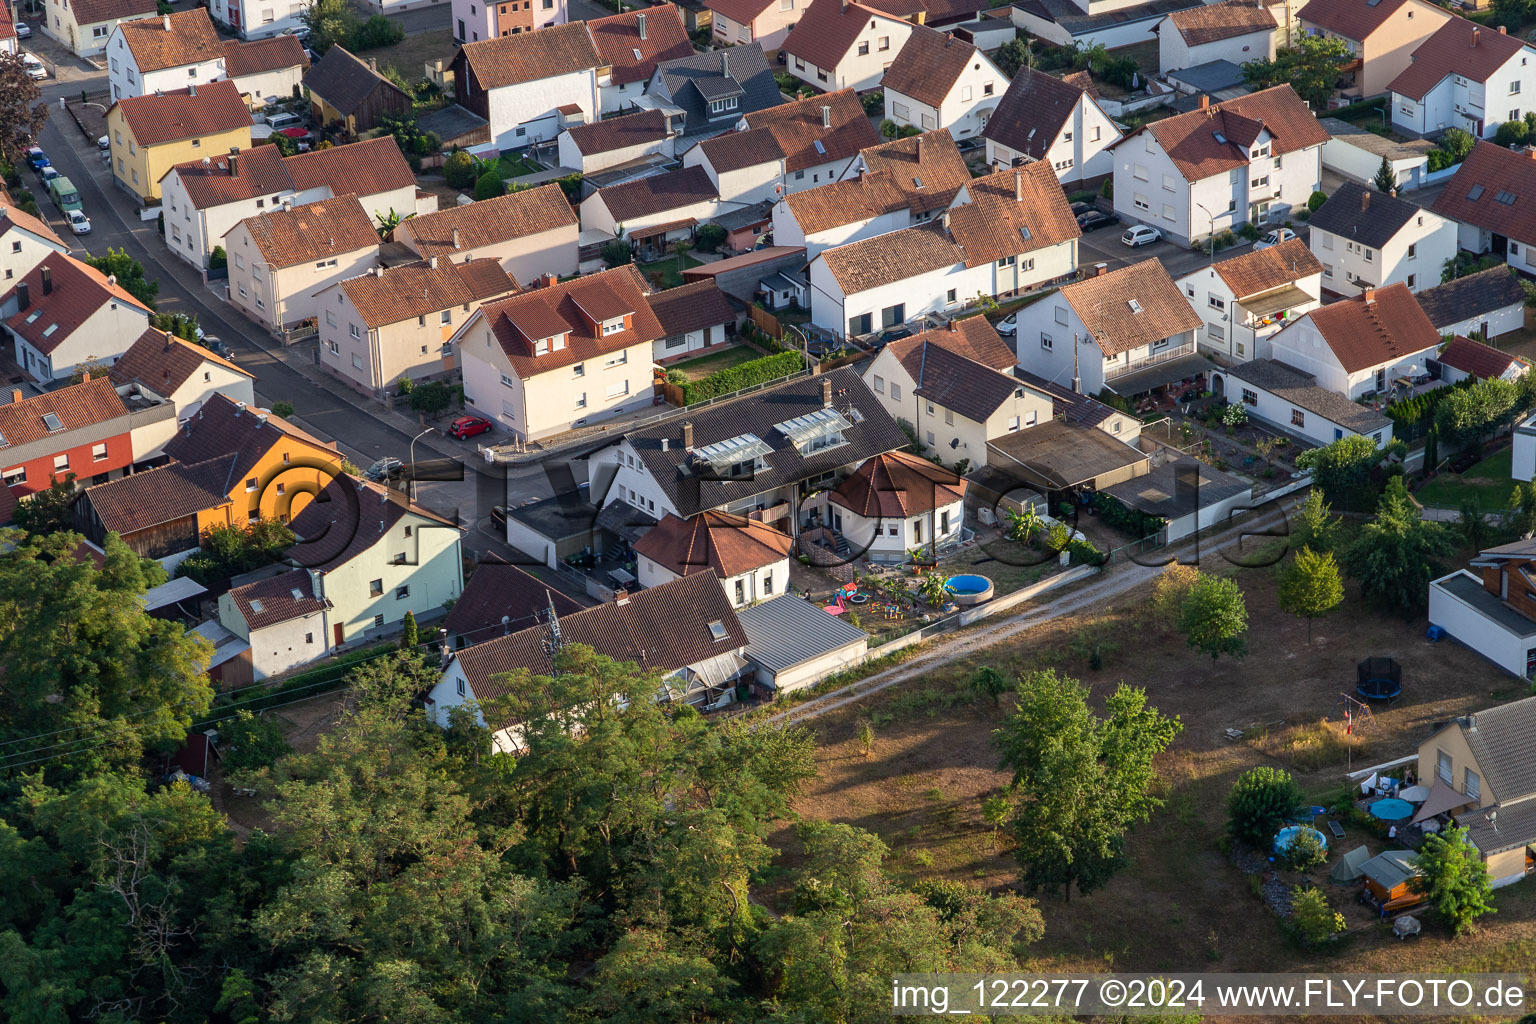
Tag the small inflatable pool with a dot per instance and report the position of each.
(969, 589)
(1287, 836)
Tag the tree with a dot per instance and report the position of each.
(431, 398)
(866, 736)
(182, 325)
(388, 222)
(1468, 416)
(1262, 800)
(1081, 781)
(1015, 54)
(990, 682)
(251, 743)
(283, 409)
(680, 249)
(226, 550)
(1169, 591)
(22, 116)
(129, 273)
(459, 170)
(617, 253)
(1472, 522)
(1311, 67)
(47, 511)
(1398, 552)
(1214, 617)
(1313, 524)
(1310, 586)
(1305, 851)
(490, 186)
(1342, 468)
(1023, 525)
(1431, 450)
(410, 635)
(1313, 916)
(1513, 12)
(711, 237)
(1511, 133)
(1453, 878)
(1386, 178)
(329, 22)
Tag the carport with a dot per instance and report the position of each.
(1142, 381)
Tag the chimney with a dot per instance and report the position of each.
(1018, 186)
(919, 149)
(23, 296)
(725, 63)
(826, 116)
(1369, 295)
(1392, 192)
(826, 392)
(16, 395)
(688, 435)
(432, 262)
(455, 239)
(548, 280)
(191, 90)
(1203, 102)
(1501, 30)
(47, 280)
(954, 326)
(1365, 200)
(85, 376)
(640, 23)
(1475, 30)
(373, 64)
(234, 163)
(666, 444)
(165, 22)
(1100, 269)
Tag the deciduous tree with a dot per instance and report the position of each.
(22, 115)
(1311, 67)
(1398, 552)
(129, 273)
(1454, 879)
(1214, 617)
(1310, 586)
(1262, 799)
(1341, 469)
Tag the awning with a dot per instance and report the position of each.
(1441, 798)
(662, 229)
(181, 588)
(1277, 301)
(1163, 373)
(718, 669)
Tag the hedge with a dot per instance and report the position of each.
(744, 375)
(1137, 524)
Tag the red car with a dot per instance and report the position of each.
(469, 426)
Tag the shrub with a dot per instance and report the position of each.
(1082, 552)
(283, 409)
(1132, 522)
(218, 259)
(1107, 190)
(617, 253)
(1457, 143)
(1306, 851)
(377, 31)
(743, 375)
(1249, 232)
(251, 743)
(874, 103)
(787, 83)
(489, 186)
(888, 129)
(1512, 133)
(459, 170)
(710, 237)
(1313, 917)
(1170, 589)
(430, 398)
(1261, 800)
(1315, 200)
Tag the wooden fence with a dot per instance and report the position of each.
(765, 321)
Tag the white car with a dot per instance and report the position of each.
(1141, 235)
(79, 223)
(104, 143)
(35, 69)
(1008, 326)
(23, 31)
(1274, 238)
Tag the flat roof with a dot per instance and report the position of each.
(789, 631)
(1469, 589)
(1376, 145)
(1162, 373)
(1159, 493)
(561, 517)
(1059, 455)
(168, 593)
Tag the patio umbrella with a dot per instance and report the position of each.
(1414, 794)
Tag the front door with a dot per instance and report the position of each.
(340, 627)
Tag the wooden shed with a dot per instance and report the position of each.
(344, 89)
(1388, 878)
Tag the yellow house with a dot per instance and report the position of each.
(151, 134)
(84, 26)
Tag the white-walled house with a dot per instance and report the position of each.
(474, 20)
(281, 618)
(1253, 159)
(163, 54)
(1042, 118)
(182, 372)
(84, 30)
(25, 241)
(1108, 327)
(939, 81)
(1293, 402)
(1245, 300)
(1461, 357)
(631, 44)
(1359, 346)
(820, 136)
(519, 83)
(1464, 76)
(750, 557)
(1380, 37)
(1492, 199)
(613, 141)
(693, 317)
(1232, 30)
(896, 503)
(764, 22)
(562, 355)
(655, 210)
(1489, 303)
(745, 167)
(63, 313)
(844, 45)
(266, 70)
(1366, 239)
(280, 260)
(530, 233)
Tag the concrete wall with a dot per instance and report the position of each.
(1487, 638)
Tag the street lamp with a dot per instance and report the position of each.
(805, 344)
(1212, 243)
(411, 489)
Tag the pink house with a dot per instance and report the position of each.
(474, 20)
(764, 22)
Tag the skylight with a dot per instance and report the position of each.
(638, 54)
(3, 441)
(1475, 193)
(35, 314)
(735, 455)
(51, 421)
(815, 431)
(49, 332)
(1025, 232)
(256, 605)
(1220, 137)
(917, 182)
(717, 630)
(1505, 196)
(1135, 306)
(820, 148)
(298, 595)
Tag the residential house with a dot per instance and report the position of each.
(1246, 299)
(1080, 410)
(474, 20)
(1492, 197)
(84, 28)
(280, 260)
(1232, 30)
(530, 233)
(396, 322)
(693, 317)
(616, 141)
(266, 70)
(1016, 230)
(895, 503)
(1293, 402)
(283, 620)
(763, 23)
(344, 89)
(25, 240)
(81, 430)
(1358, 346)
(714, 90)
(258, 19)
(819, 135)
(203, 201)
(1250, 160)
(939, 81)
(955, 386)
(1462, 358)
(653, 211)
(500, 598)
(170, 53)
(181, 372)
(1480, 764)
(1489, 303)
(374, 556)
(791, 643)
(746, 168)
(159, 513)
(770, 456)
(518, 83)
(64, 314)
(894, 185)
(8, 40)
(1463, 76)
(1043, 118)
(1356, 153)
(684, 632)
(1366, 239)
(1381, 37)
(631, 44)
(750, 558)
(561, 355)
(844, 45)
(151, 134)
(771, 274)
(1120, 330)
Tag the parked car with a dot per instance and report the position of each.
(64, 194)
(37, 159)
(1008, 326)
(885, 337)
(79, 223)
(215, 345)
(499, 516)
(1079, 208)
(1093, 220)
(384, 468)
(286, 119)
(974, 142)
(1141, 235)
(35, 69)
(48, 174)
(104, 143)
(1275, 237)
(23, 30)
(468, 426)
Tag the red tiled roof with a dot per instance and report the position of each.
(928, 66)
(314, 231)
(1352, 19)
(178, 115)
(1032, 112)
(224, 427)
(658, 193)
(622, 132)
(886, 259)
(78, 291)
(927, 170)
(93, 12)
(154, 497)
(11, 217)
(1012, 211)
(1363, 334)
(727, 544)
(391, 295)
(259, 55)
(897, 485)
(163, 362)
(1494, 189)
(1191, 139)
(743, 12)
(799, 127)
(1458, 47)
(78, 405)
(1263, 270)
(349, 516)
(731, 151)
(618, 41)
(972, 338)
(1225, 20)
(362, 168)
(260, 171)
(539, 313)
(173, 40)
(530, 56)
(504, 219)
(277, 599)
(691, 307)
(827, 30)
(1103, 304)
(1474, 357)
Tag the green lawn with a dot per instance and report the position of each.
(667, 269)
(1487, 481)
(516, 167)
(703, 366)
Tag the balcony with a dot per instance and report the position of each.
(1167, 355)
(770, 513)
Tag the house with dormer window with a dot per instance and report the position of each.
(1492, 197)
(562, 355)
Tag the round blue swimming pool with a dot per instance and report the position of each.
(1391, 809)
(1287, 836)
(969, 589)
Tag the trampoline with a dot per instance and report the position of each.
(1286, 836)
(1392, 809)
(1379, 679)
